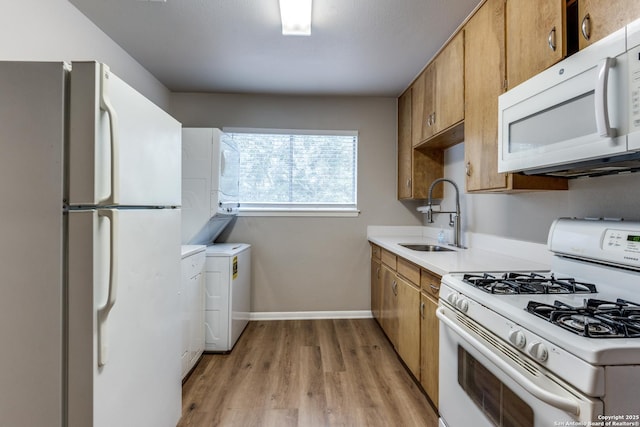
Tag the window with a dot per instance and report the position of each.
(297, 172)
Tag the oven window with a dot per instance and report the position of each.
(503, 407)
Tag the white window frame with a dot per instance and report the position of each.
(310, 209)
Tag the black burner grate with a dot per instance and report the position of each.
(595, 319)
(527, 283)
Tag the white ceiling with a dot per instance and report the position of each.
(356, 47)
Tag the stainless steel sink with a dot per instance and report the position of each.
(425, 248)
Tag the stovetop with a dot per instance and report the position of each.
(600, 345)
(510, 283)
(594, 319)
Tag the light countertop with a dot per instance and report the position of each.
(484, 252)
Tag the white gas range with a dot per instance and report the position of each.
(547, 348)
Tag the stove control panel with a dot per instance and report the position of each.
(608, 241)
(621, 240)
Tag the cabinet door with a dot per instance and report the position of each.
(599, 18)
(449, 85)
(484, 81)
(418, 112)
(390, 304)
(429, 336)
(408, 342)
(376, 288)
(405, 146)
(429, 102)
(535, 37)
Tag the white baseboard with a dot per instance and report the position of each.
(305, 315)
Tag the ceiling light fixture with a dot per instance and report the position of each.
(296, 17)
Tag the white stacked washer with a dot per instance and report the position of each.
(210, 184)
(210, 194)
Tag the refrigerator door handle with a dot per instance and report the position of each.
(105, 105)
(103, 312)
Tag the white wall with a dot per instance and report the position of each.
(527, 216)
(54, 30)
(312, 264)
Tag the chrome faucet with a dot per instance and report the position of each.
(454, 216)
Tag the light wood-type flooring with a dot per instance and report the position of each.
(305, 373)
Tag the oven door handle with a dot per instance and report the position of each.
(560, 402)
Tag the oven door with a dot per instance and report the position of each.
(484, 383)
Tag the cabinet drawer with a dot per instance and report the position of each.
(409, 271)
(430, 283)
(375, 251)
(389, 259)
(193, 265)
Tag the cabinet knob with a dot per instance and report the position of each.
(409, 183)
(467, 169)
(586, 27)
(552, 39)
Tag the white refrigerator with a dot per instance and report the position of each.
(90, 176)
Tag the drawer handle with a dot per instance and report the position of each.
(434, 288)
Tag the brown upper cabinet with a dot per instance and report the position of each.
(484, 82)
(455, 98)
(599, 18)
(535, 37)
(438, 94)
(416, 168)
(541, 33)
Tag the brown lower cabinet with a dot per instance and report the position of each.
(404, 298)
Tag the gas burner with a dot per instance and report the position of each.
(595, 319)
(527, 283)
(582, 322)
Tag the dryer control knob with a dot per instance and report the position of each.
(538, 351)
(517, 338)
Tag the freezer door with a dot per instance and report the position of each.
(31, 231)
(124, 361)
(123, 149)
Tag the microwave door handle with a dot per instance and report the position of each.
(602, 111)
(560, 402)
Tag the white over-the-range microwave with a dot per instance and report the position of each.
(580, 117)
